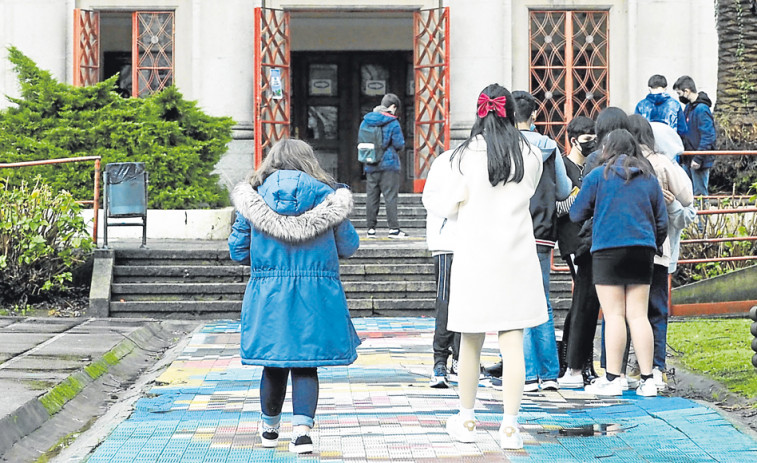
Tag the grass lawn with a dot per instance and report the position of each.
(719, 349)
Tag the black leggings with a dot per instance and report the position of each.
(273, 387)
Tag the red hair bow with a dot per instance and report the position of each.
(486, 104)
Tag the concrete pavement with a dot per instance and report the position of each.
(205, 408)
(47, 364)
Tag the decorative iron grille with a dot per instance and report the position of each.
(432, 87)
(569, 67)
(152, 51)
(86, 47)
(272, 55)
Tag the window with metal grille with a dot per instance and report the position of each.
(569, 70)
(138, 45)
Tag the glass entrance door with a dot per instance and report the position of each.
(331, 92)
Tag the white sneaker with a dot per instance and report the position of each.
(396, 233)
(627, 383)
(569, 381)
(549, 385)
(532, 386)
(461, 430)
(659, 380)
(601, 386)
(510, 438)
(269, 435)
(647, 388)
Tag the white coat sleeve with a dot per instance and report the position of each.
(445, 188)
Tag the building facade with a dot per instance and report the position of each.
(311, 69)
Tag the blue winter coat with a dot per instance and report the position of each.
(701, 135)
(627, 211)
(394, 142)
(661, 107)
(292, 232)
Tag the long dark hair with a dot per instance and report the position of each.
(609, 119)
(503, 140)
(640, 128)
(620, 142)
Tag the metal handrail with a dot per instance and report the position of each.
(95, 202)
(720, 240)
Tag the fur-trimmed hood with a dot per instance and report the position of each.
(289, 208)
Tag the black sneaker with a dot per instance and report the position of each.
(302, 444)
(439, 380)
(453, 371)
(269, 435)
(495, 371)
(396, 233)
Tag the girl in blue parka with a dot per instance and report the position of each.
(630, 224)
(291, 228)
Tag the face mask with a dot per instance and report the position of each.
(533, 127)
(684, 100)
(587, 147)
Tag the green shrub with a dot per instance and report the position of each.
(718, 226)
(734, 174)
(42, 238)
(179, 144)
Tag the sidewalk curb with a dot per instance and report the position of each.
(34, 413)
(703, 391)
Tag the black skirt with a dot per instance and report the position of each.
(631, 265)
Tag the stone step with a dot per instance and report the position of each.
(413, 199)
(232, 309)
(369, 249)
(419, 211)
(212, 290)
(240, 273)
(405, 222)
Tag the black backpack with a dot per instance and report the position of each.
(370, 144)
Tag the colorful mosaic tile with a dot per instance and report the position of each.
(205, 408)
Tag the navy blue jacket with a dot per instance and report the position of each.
(292, 232)
(701, 135)
(627, 211)
(394, 142)
(661, 107)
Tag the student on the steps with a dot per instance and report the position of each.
(292, 228)
(496, 281)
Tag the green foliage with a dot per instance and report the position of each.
(42, 238)
(179, 144)
(719, 349)
(735, 174)
(718, 226)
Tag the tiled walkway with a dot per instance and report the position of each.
(205, 409)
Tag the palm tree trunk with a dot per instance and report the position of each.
(737, 58)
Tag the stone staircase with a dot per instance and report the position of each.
(185, 279)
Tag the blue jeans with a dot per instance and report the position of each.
(700, 179)
(539, 344)
(658, 314)
(273, 388)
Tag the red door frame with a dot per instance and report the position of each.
(431, 52)
(272, 51)
(86, 47)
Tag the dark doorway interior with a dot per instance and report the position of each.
(115, 36)
(332, 91)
